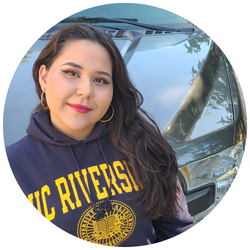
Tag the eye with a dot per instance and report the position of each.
(71, 73)
(101, 80)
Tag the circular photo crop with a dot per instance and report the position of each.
(125, 124)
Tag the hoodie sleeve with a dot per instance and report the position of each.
(176, 223)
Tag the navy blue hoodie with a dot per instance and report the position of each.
(68, 181)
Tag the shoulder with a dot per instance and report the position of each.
(18, 145)
(20, 149)
(23, 158)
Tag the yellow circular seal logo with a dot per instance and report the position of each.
(111, 230)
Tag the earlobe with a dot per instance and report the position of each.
(43, 77)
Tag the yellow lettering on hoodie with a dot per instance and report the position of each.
(122, 176)
(104, 193)
(84, 173)
(71, 179)
(38, 204)
(131, 177)
(103, 167)
(113, 179)
(31, 197)
(77, 175)
(49, 216)
(64, 196)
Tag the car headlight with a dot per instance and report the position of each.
(209, 177)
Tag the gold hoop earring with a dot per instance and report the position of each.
(42, 99)
(111, 115)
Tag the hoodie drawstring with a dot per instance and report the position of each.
(106, 204)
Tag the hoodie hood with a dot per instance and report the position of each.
(41, 128)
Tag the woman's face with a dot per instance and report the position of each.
(78, 87)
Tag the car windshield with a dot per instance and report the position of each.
(142, 13)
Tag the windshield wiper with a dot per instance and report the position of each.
(117, 20)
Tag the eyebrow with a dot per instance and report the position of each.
(73, 65)
(80, 67)
(104, 73)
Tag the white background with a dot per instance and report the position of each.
(23, 22)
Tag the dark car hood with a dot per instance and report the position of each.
(181, 76)
(184, 83)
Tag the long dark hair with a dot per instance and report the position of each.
(132, 132)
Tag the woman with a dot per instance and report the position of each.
(93, 162)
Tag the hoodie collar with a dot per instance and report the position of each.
(41, 128)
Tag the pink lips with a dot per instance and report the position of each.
(80, 108)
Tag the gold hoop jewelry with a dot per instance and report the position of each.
(42, 100)
(111, 115)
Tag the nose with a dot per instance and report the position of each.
(85, 88)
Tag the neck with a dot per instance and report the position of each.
(78, 133)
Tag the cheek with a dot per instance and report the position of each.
(104, 98)
(109, 95)
(57, 90)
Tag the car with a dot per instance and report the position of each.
(189, 88)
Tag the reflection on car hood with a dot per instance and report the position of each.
(182, 78)
(184, 82)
